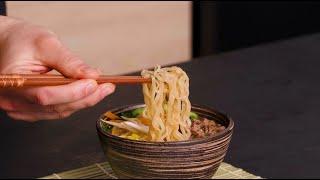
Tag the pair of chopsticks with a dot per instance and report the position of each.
(30, 80)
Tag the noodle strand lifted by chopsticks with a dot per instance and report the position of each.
(167, 104)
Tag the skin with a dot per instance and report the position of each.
(29, 49)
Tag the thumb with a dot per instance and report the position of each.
(54, 54)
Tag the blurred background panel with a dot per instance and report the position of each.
(118, 37)
(2, 8)
(221, 26)
(126, 36)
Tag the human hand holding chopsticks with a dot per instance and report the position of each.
(29, 49)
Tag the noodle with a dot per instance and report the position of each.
(167, 104)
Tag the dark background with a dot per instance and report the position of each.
(223, 26)
(2, 8)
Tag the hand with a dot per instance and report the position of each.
(30, 49)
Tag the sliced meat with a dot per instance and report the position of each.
(203, 127)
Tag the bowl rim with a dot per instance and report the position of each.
(196, 140)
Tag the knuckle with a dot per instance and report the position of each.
(75, 94)
(41, 98)
(90, 103)
(62, 115)
(53, 109)
(73, 61)
(47, 40)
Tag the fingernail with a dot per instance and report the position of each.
(107, 89)
(90, 88)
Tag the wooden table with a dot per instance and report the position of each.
(271, 91)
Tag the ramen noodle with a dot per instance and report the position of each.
(167, 104)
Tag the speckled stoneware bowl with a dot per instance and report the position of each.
(196, 158)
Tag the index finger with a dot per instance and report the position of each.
(52, 95)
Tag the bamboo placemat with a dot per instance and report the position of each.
(104, 171)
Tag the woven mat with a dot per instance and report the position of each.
(104, 171)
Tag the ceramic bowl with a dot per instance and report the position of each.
(196, 158)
